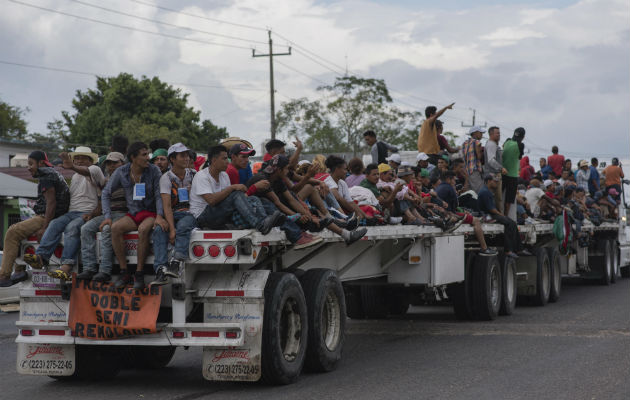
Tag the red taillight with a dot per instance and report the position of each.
(52, 332)
(229, 251)
(58, 251)
(230, 293)
(214, 251)
(26, 332)
(179, 335)
(198, 251)
(231, 335)
(204, 334)
(29, 250)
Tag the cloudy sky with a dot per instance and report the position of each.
(559, 68)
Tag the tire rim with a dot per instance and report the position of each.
(290, 330)
(546, 281)
(495, 285)
(615, 258)
(331, 321)
(609, 262)
(556, 274)
(509, 283)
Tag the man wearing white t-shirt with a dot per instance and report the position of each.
(339, 188)
(538, 201)
(213, 199)
(85, 188)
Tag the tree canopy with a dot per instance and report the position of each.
(12, 123)
(140, 109)
(348, 108)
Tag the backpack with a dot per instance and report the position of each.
(563, 232)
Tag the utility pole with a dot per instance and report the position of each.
(473, 121)
(271, 87)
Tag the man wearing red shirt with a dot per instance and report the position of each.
(556, 161)
(239, 156)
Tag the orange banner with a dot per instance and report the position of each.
(102, 312)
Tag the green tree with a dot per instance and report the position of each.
(349, 107)
(12, 123)
(141, 109)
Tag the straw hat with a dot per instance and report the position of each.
(84, 151)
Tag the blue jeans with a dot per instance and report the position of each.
(184, 224)
(70, 225)
(214, 217)
(88, 244)
(331, 202)
(290, 229)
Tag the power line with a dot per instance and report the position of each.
(302, 73)
(199, 16)
(166, 23)
(70, 71)
(127, 27)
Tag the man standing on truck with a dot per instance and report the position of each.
(493, 156)
(92, 269)
(512, 153)
(175, 185)
(473, 157)
(613, 174)
(378, 148)
(428, 137)
(85, 186)
(53, 199)
(140, 180)
(512, 240)
(556, 161)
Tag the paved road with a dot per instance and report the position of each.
(578, 348)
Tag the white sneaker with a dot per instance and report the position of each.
(395, 220)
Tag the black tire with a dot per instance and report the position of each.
(461, 293)
(556, 274)
(326, 307)
(508, 285)
(285, 329)
(373, 301)
(94, 363)
(614, 250)
(543, 277)
(354, 306)
(486, 287)
(604, 246)
(148, 357)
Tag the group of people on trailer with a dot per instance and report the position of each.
(166, 193)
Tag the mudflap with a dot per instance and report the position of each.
(241, 363)
(46, 359)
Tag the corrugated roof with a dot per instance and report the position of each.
(22, 172)
(11, 186)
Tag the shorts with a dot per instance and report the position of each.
(141, 216)
(510, 185)
(468, 218)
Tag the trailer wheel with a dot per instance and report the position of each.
(487, 287)
(94, 363)
(285, 328)
(508, 285)
(608, 263)
(148, 357)
(326, 307)
(373, 301)
(556, 274)
(354, 306)
(461, 293)
(614, 250)
(543, 277)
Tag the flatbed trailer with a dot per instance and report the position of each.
(263, 310)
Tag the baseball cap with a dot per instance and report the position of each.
(276, 162)
(177, 148)
(548, 182)
(39, 155)
(241, 148)
(493, 177)
(115, 157)
(476, 128)
(424, 173)
(583, 163)
(395, 158)
(422, 157)
(383, 168)
(157, 153)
